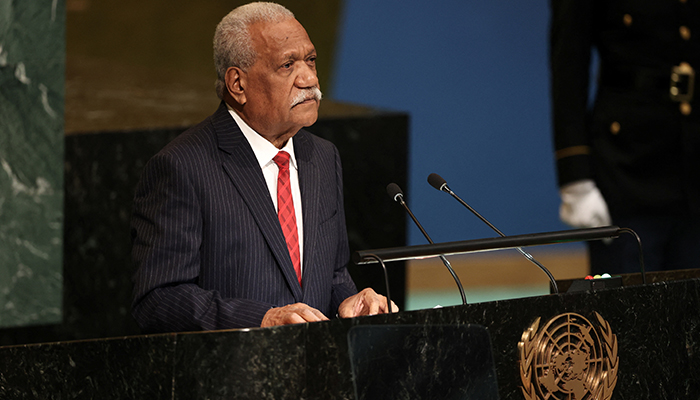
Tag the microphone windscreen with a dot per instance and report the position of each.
(393, 190)
(436, 181)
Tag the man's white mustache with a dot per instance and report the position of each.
(313, 93)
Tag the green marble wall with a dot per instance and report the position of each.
(32, 80)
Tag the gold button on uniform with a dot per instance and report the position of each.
(686, 108)
(627, 20)
(685, 32)
(615, 128)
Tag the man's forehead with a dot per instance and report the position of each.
(277, 34)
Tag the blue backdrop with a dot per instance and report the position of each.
(474, 77)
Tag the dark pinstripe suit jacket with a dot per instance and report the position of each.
(207, 244)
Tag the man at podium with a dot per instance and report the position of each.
(239, 221)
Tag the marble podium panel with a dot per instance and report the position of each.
(32, 67)
(409, 362)
(656, 329)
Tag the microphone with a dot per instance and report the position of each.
(394, 191)
(440, 184)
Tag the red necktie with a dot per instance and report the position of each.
(285, 211)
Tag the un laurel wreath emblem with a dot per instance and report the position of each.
(568, 359)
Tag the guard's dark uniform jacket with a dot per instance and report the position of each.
(640, 139)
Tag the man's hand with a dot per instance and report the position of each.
(297, 313)
(367, 302)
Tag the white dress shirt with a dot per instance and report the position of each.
(265, 152)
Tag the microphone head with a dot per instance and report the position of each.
(437, 181)
(394, 191)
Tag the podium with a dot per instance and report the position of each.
(656, 329)
(407, 362)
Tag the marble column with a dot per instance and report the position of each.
(32, 81)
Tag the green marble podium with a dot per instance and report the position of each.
(32, 67)
(656, 330)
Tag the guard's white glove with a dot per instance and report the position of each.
(582, 205)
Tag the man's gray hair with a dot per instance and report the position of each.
(233, 45)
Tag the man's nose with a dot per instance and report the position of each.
(307, 77)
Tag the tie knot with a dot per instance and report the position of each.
(282, 160)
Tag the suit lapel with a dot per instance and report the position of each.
(309, 178)
(242, 167)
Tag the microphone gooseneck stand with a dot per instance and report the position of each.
(396, 194)
(503, 242)
(440, 184)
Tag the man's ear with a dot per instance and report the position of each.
(235, 84)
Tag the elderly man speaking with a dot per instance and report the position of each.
(239, 221)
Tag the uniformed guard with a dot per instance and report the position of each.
(631, 156)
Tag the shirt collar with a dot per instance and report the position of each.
(263, 149)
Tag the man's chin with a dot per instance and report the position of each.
(306, 114)
(310, 121)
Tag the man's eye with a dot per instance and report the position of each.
(287, 65)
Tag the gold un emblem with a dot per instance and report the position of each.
(568, 359)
